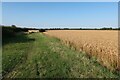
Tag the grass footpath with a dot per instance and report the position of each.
(39, 56)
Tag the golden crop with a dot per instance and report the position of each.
(102, 44)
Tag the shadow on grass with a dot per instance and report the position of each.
(16, 39)
(14, 58)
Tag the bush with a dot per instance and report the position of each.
(42, 30)
(8, 32)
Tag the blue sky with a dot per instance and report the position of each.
(60, 14)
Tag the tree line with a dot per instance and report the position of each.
(14, 28)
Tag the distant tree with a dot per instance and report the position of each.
(66, 28)
(110, 28)
(13, 26)
(119, 28)
(42, 30)
(104, 28)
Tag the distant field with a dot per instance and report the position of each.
(100, 43)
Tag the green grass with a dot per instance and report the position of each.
(15, 51)
(41, 56)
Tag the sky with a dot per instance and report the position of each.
(60, 0)
(60, 14)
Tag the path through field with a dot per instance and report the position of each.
(47, 57)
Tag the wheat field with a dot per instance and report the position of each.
(103, 44)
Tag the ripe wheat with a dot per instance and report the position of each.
(102, 44)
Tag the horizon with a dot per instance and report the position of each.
(64, 28)
(60, 14)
